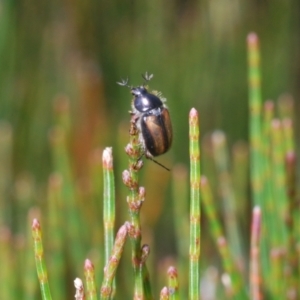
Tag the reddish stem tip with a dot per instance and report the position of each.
(252, 38)
(164, 291)
(88, 265)
(123, 229)
(35, 224)
(172, 271)
(193, 113)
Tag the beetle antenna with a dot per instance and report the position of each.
(124, 82)
(147, 77)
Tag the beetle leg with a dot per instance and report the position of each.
(148, 155)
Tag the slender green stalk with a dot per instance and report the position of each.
(144, 272)
(227, 195)
(255, 272)
(279, 181)
(40, 260)
(30, 284)
(194, 252)
(254, 79)
(173, 283)
(108, 202)
(113, 262)
(135, 200)
(279, 242)
(89, 274)
(286, 112)
(268, 205)
(234, 285)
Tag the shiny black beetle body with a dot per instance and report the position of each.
(154, 122)
(152, 119)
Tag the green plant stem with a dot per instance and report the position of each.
(268, 205)
(40, 261)
(135, 199)
(235, 286)
(173, 284)
(279, 181)
(89, 274)
(279, 242)
(254, 79)
(113, 262)
(194, 252)
(30, 284)
(221, 157)
(108, 202)
(96, 210)
(255, 272)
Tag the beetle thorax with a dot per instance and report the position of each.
(138, 91)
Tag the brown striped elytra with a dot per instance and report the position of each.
(156, 130)
(153, 120)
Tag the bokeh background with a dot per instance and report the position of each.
(63, 58)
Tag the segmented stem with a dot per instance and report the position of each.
(194, 276)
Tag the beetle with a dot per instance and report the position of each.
(153, 120)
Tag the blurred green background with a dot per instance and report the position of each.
(58, 56)
(196, 50)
